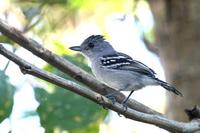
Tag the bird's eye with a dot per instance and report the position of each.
(91, 45)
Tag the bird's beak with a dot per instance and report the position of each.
(75, 48)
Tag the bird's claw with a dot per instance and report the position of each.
(125, 106)
(111, 98)
(119, 114)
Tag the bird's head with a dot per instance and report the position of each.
(94, 46)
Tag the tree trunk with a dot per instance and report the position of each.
(177, 25)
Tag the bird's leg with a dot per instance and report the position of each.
(124, 103)
(111, 97)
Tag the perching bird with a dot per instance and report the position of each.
(118, 70)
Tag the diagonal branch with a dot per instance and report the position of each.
(27, 68)
(67, 67)
(157, 120)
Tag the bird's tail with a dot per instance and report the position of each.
(168, 87)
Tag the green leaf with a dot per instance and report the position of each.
(6, 96)
(68, 111)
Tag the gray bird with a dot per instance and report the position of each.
(118, 70)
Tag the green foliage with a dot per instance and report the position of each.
(61, 14)
(67, 111)
(61, 10)
(4, 39)
(64, 110)
(6, 96)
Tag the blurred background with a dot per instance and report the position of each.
(163, 34)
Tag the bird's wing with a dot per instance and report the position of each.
(122, 61)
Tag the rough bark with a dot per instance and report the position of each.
(178, 39)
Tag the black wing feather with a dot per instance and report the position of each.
(126, 63)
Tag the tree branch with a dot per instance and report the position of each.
(157, 120)
(67, 67)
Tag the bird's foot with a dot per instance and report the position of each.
(111, 98)
(119, 114)
(125, 106)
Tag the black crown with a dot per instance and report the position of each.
(94, 38)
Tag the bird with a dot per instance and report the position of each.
(118, 70)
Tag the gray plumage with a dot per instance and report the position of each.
(118, 70)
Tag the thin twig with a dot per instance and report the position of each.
(157, 120)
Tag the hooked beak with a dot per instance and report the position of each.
(75, 48)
